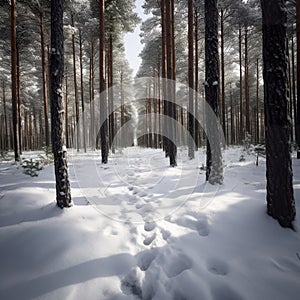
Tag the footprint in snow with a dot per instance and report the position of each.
(149, 240)
(217, 266)
(144, 259)
(143, 194)
(176, 264)
(149, 226)
(165, 234)
(200, 223)
(202, 228)
(146, 208)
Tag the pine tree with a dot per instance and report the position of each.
(63, 195)
(280, 196)
(214, 169)
(14, 78)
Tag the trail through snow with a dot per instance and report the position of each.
(142, 230)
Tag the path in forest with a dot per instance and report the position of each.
(139, 189)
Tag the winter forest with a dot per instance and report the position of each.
(163, 167)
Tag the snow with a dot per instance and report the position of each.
(142, 230)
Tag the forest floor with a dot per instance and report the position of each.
(139, 229)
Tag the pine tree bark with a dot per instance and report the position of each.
(19, 101)
(82, 91)
(110, 95)
(170, 89)
(241, 137)
(14, 79)
(223, 73)
(164, 72)
(67, 110)
(257, 101)
(63, 195)
(298, 77)
(75, 85)
(103, 99)
(45, 93)
(214, 170)
(246, 78)
(196, 87)
(280, 196)
(5, 144)
(294, 86)
(191, 123)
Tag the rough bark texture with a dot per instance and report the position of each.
(214, 170)
(280, 197)
(63, 195)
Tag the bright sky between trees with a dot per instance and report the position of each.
(133, 45)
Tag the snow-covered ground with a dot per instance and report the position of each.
(139, 229)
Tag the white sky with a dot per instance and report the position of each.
(133, 46)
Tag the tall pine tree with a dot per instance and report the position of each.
(63, 195)
(280, 196)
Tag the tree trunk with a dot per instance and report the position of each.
(232, 129)
(63, 195)
(103, 100)
(257, 101)
(294, 86)
(45, 93)
(92, 103)
(289, 83)
(170, 84)
(14, 80)
(214, 170)
(75, 85)
(191, 123)
(19, 101)
(164, 72)
(280, 196)
(67, 111)
(298, 77)
(196, 87)
(110, 95)
(223, 73)
(6, 143)
(246, 78)
(82, 91)
(241, 87)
